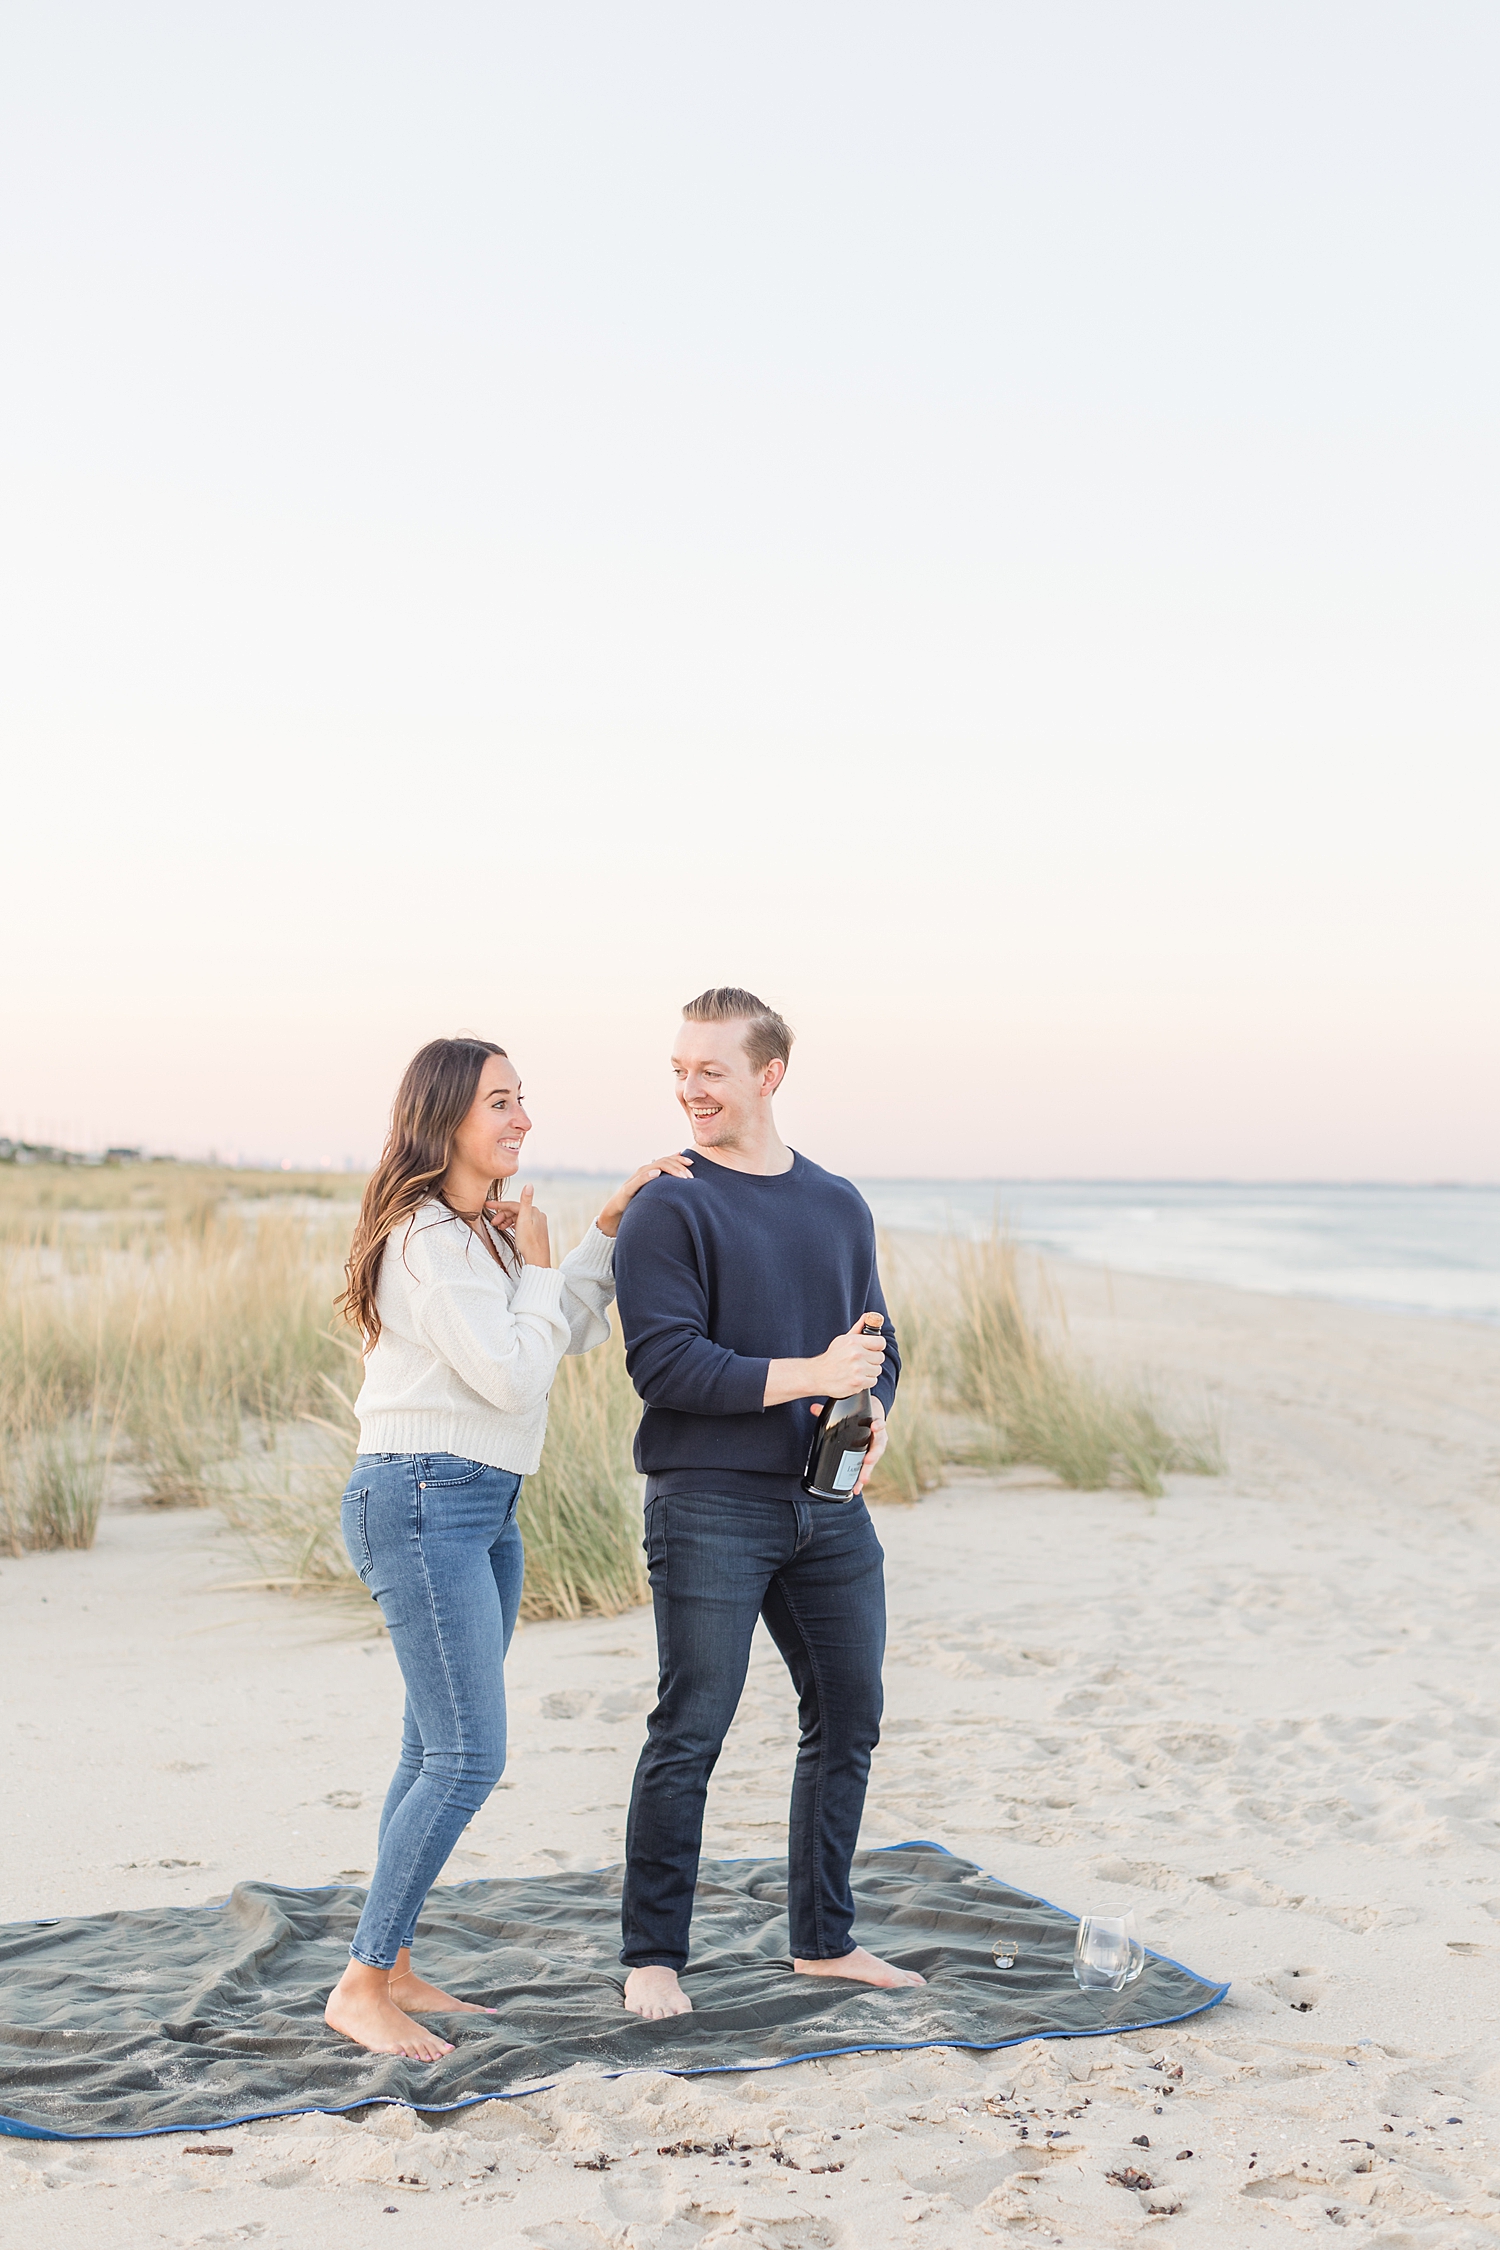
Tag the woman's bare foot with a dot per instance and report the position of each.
(420, 1998)
(423, 1999)
(655, 1992)
(862, 1965)
(360, 2006)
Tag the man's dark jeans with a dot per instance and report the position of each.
(813, 1570)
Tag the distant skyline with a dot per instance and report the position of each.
(976, 521)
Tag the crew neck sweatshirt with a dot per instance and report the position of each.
(717, 1276)
(468, 1348)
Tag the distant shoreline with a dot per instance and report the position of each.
(1427, 1247)
(31, 1153)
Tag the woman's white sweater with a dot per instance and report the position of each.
(467, 1349)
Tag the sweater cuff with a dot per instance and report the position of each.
(744, 1388)
(539, 1290)
(594, 1256)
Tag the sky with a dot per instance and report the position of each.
(977, 521)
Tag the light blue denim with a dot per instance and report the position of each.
(435, 1539)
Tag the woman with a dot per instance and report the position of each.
(464, 1320)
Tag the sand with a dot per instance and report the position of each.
(1260, 1710)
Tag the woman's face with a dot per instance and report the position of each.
(490, 1137)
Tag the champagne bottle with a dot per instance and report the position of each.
(840, 1442)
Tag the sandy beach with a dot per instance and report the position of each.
(1260, 1710)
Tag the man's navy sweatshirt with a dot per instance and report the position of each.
(718, 1275)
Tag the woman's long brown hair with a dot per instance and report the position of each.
(434, 1097)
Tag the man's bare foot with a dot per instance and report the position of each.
(655, 1992)
(360, 2006)
(862, 1965)
(420, 1998)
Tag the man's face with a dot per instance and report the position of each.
(724, 1098)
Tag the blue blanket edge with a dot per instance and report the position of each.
(16, 2130)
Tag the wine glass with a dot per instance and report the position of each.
(1107, 1954)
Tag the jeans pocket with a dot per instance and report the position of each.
(353, 1518)
(443, 1470)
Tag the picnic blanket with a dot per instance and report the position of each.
(195, 2018)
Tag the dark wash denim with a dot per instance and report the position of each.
(435, 1539)
(813, 1570)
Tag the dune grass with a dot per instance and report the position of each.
(37, 1201)
(1032, 1398)
(913, 1460)
(52, 1484)
(150, 1317)
(174, 1326)
(170, 1341)
(580, 1514)
(167, 1335)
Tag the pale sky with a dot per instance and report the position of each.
(977, 521)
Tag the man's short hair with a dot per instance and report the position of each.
(768, 1037)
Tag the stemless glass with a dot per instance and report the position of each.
(1107, 1954)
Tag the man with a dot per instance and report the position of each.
(742, 1291)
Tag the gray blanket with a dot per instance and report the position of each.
(195, 2018)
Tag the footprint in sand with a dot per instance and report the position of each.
(1301, 1989)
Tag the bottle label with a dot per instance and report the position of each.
(847, 1474)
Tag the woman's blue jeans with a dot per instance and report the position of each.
(435, 1539)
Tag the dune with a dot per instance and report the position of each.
(1260, 1711)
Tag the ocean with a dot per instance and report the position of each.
(1413, 1249)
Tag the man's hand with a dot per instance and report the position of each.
(879, 1439)
(851, 1363)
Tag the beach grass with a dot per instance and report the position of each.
(168, 1336)
(1031, 1397)
(916, 1446)
(580, 1514)
(172, 1330)
(150, 1326)
(282, 1497)
(127, 1201)
(174, 1340)
(53, 1484)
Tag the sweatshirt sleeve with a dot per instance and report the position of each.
(506, 1349)
(890, 1374)
(588, 1273)
(664, 1316)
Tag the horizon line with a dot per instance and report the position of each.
(68, 1158)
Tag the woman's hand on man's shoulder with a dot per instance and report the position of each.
(676, 1166)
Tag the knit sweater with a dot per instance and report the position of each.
(719, 1275)
(467, 1349)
